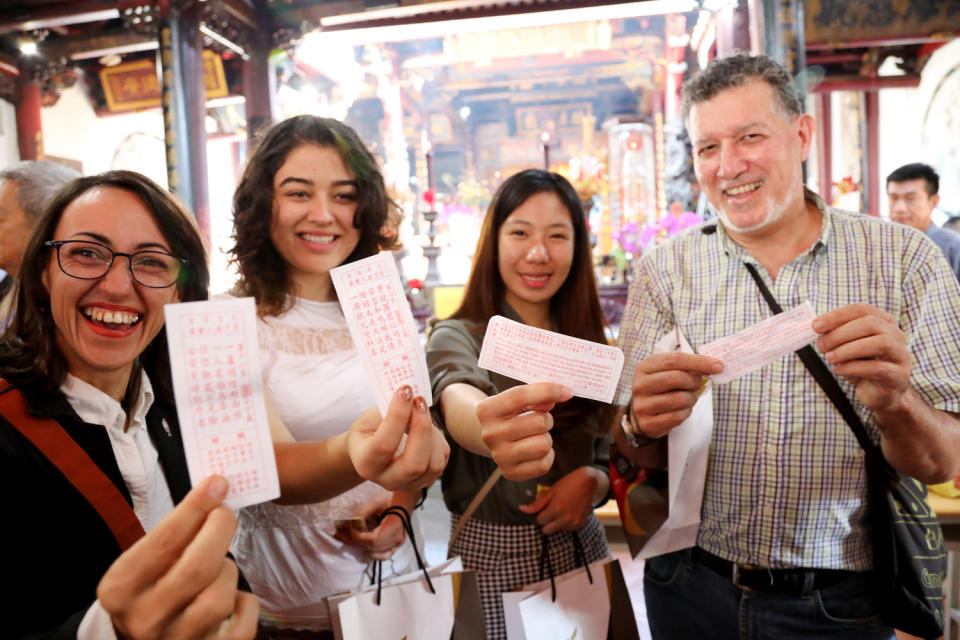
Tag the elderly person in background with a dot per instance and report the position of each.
(25, 190)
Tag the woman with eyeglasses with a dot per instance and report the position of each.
(86, 397)
(91, 455)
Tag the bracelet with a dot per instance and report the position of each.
(633, 439)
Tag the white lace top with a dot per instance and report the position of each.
(287, 552)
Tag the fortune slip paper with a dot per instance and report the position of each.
(589, 369)
(764, 342)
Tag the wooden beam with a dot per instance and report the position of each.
(898, 41)
(81, 47)
(27, 18)
(872, 117)
(247, 14)
(860, 83)
(824, 145)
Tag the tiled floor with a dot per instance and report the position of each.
(435, 527)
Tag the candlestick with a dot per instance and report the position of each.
(545, 137)
(430, 169)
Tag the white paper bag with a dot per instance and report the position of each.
(581, 609)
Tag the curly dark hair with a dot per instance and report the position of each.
(264, 274)
(29, 355)
(735, 70)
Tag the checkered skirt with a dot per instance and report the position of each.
(507, 557)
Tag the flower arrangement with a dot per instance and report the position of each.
(474, 194)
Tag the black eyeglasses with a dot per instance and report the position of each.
(91, 260)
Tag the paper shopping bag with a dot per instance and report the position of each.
(660, 511)
(642, 499)
(408, 609)
(580, 605)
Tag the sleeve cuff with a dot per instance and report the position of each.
(96, 624)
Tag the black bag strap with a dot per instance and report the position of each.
(822, 375)
(404, 516)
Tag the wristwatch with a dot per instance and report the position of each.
(633, 439)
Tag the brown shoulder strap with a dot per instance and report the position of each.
(75, 464)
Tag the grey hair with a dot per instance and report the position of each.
(735, 70)
(37, 183)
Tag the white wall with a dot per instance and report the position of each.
(902, 114)
(9, 151)
(71, 129)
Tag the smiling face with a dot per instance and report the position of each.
(910, 204)
(748, 157)
(535, 251)
(315, 199)
(103, 325)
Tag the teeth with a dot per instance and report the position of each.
(309, 237)
(743, 189)
(112, 317)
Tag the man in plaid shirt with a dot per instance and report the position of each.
(783, 550)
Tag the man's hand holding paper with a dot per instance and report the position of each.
(665, 388)
(867, 347)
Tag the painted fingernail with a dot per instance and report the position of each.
(218, 488)
(405, 393)
(420, 404)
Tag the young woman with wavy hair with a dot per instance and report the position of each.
(311, 199)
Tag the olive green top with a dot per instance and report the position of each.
(452, 354)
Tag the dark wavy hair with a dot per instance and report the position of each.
(264, 274)
(29, 355)
(575, 307)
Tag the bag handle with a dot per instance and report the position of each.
(831, 387)
(404, 516)
(580, 558)
(474, 504)
(75, 464)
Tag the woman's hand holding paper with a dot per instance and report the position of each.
(373, 445)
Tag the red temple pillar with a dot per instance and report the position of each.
(259, 88)
(29, 129)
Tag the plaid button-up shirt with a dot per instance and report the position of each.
(786, 484)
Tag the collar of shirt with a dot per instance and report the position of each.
(133, 449)
(96, 407)
(731, 248)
